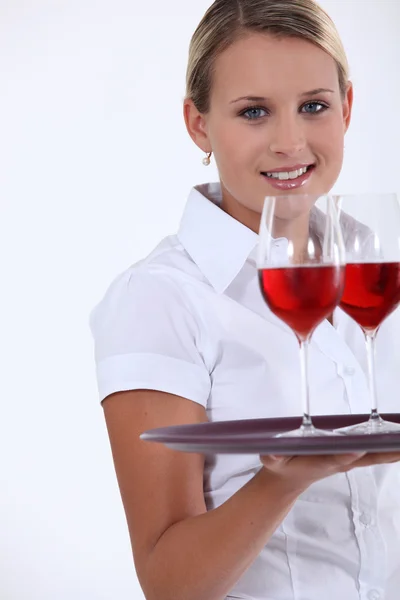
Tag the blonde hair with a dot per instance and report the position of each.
(229, 20)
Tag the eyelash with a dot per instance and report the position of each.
(249, 108)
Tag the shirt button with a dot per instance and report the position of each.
(349, 371)
(374, 595)
(366, 519)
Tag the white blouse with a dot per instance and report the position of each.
(190, 320)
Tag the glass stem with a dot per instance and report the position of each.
(305, 390)
(370, 343)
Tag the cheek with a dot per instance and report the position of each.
(331, 140)
(331, 150)
(236, 146)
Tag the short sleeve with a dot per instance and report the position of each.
(146, 336)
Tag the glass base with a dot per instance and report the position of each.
(374, 425)
(309, 431)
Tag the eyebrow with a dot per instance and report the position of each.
(263, 99)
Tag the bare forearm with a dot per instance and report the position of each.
(203, 557)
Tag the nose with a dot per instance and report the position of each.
(287, 136)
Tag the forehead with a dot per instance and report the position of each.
(264, 65)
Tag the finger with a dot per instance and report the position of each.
(340, 460)
(378, 459)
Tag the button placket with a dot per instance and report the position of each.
(356, 387)
(366, 519)
(349, 371)
(371, 544)
(374, 595)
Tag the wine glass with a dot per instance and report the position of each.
(371, 231)
(301, 267)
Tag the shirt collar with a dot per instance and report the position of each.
(216, 242)
(219, 244)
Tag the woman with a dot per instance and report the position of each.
(185, 337)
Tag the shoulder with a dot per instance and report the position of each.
(166, 267)
(146, 329)
(156, 289)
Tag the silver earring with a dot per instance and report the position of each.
(207, 159)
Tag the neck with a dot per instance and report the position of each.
(241, 213)
(296, 230)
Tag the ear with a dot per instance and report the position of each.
(348, 106)
(196, 124)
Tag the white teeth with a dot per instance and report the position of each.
(288, 174)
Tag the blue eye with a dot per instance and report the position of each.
(315, 107)
(253, 114)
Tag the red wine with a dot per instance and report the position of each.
(302, 296)
(371, 293)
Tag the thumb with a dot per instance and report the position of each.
(273, 461)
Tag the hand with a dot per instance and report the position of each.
(299, 472)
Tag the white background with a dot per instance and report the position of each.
(95, 167)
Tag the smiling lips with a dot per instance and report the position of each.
(287, 178)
